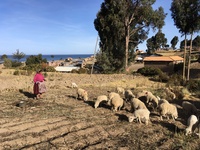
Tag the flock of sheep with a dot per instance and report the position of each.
(143, 103)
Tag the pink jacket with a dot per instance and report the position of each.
(38, 77)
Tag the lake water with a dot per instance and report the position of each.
(55, 57)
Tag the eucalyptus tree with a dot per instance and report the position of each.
(186, 15)
(174, 42)
(156, 42)
(196, 42)
(122, 25)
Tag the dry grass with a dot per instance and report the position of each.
(59, 121)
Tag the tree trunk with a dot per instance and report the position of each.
(184, 59)
(127, 36)
(126, 52)
(189, 59)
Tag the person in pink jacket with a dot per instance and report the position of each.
(39, 86)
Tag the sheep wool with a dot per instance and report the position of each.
(152, 99)
(167, 109)
(81, 93)
(111, 95)
(137, 104)
(142, 115)
(120, 90)
(192, 124)
(100, 99)
(160, 101)
(170, 94)
(74, 85)
(128, 94)
(116, 103)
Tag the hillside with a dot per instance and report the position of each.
(60, 121)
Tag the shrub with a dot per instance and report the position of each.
(193, 85)
(16, 64)
(16, 72)
(83, 71)
(149, 71)
(163, 77)
(7, 63)
(175, 80)
(74, 71)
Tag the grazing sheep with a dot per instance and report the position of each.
(128, 95)
(167, 109)
(160, 101)
(81, 93)
(148, 98)
(100, 99)
(74, 85)
(137, 104)
(142, 95)
(189, 108)
(152, 99)
(116, 103)
(120, 90)
(111, 95)
(170, 93)
(140, 115)
(192, 123)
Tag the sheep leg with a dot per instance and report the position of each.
(139, 119)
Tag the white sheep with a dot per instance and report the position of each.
(120, 90)
(83, 94)
(74, 85)
(128, 94)
(192, 123)
(152, 99)
(100, 99)
(137, 104)
(189, 108)
(170, 93)
(142, 95)
(140, 115)
(111, 95)
(116, 103)
(167, 109)
(160, 101)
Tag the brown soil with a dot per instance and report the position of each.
(60, 121)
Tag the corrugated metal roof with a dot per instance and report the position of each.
(163, 58)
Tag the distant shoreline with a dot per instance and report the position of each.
(55, 57)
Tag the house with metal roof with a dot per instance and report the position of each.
(165, 63)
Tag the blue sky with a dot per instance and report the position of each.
(58, 26)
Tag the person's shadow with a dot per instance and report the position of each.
(27, 94)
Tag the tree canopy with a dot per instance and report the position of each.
(121, 26)
(174, 41)
(18, 55)
(156, 42)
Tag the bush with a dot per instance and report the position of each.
(7, 63)
(175, 80)
(74, 71)
(16, 64)
(34, 67)
(163, 77)
(16, 72)
(149, 71)
(193, 85)
(83, 71)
